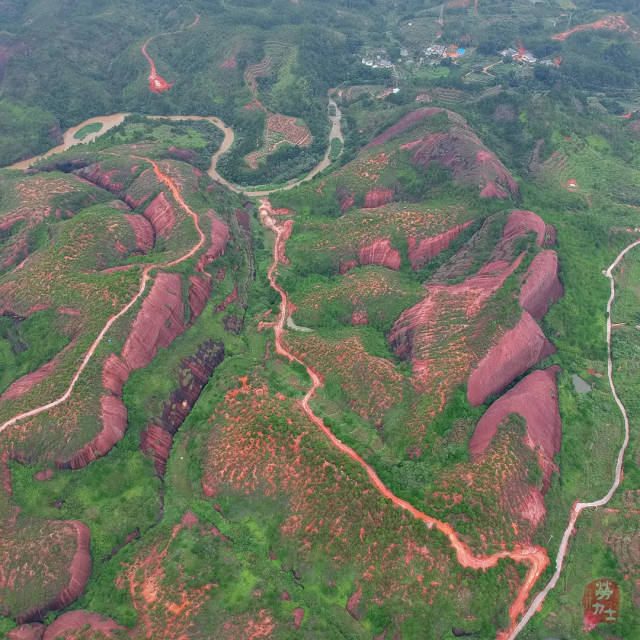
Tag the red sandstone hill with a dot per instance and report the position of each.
(535, 398)
(423, 137)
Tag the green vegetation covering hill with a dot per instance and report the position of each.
(180, 473)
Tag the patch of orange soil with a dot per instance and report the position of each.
(610, 23)
(372, 384)
(165, 609)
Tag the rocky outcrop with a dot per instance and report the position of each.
(353, 604)
(161, 215)
(159, 321)
(517, 350)
(96, 174)
(199, 292)
(535, 398)
(115, 373)
(219, 238)
(521, 222)
(380, 252)
(420, 253)
(377, 198)
(157, 439)
(458, 149)
(113, 416)
(79, 571)
(73, 622)
(145, 235)
(541, 286)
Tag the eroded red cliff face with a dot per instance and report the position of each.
(199, 292)
(145, 235)
(96, 174)
(377, 198)
(115, 373)
(219, 238)
(157, 439)
(161, 215)
(541, 286)
(522, 222)
(159, 321)
(517, 350)
(535, 398)
(380, 252)
(113, 415)
(421, 252)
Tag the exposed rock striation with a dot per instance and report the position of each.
(219, 238)
(145, 235)
(159, 321)
(380, 252)
(522, 222)
(157, 438)
(517, 350)
(377, 198)
(541, 286)
(161, 215)
(421, 252)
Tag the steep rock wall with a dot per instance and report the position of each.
(420, 253)
(535, 398)
(161, 215)
(541, 286)
(517, 350)
(380, 252)
(159, 321)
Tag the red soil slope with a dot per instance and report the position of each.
(535, 398)
(517, 350)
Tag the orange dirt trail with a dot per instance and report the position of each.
(157, 83)
(534, 556)
(166, 180)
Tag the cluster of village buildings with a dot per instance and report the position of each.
(379, 59)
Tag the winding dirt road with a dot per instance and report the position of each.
(579, 507)
(158, 84)
(535, 557)
(166, 180)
